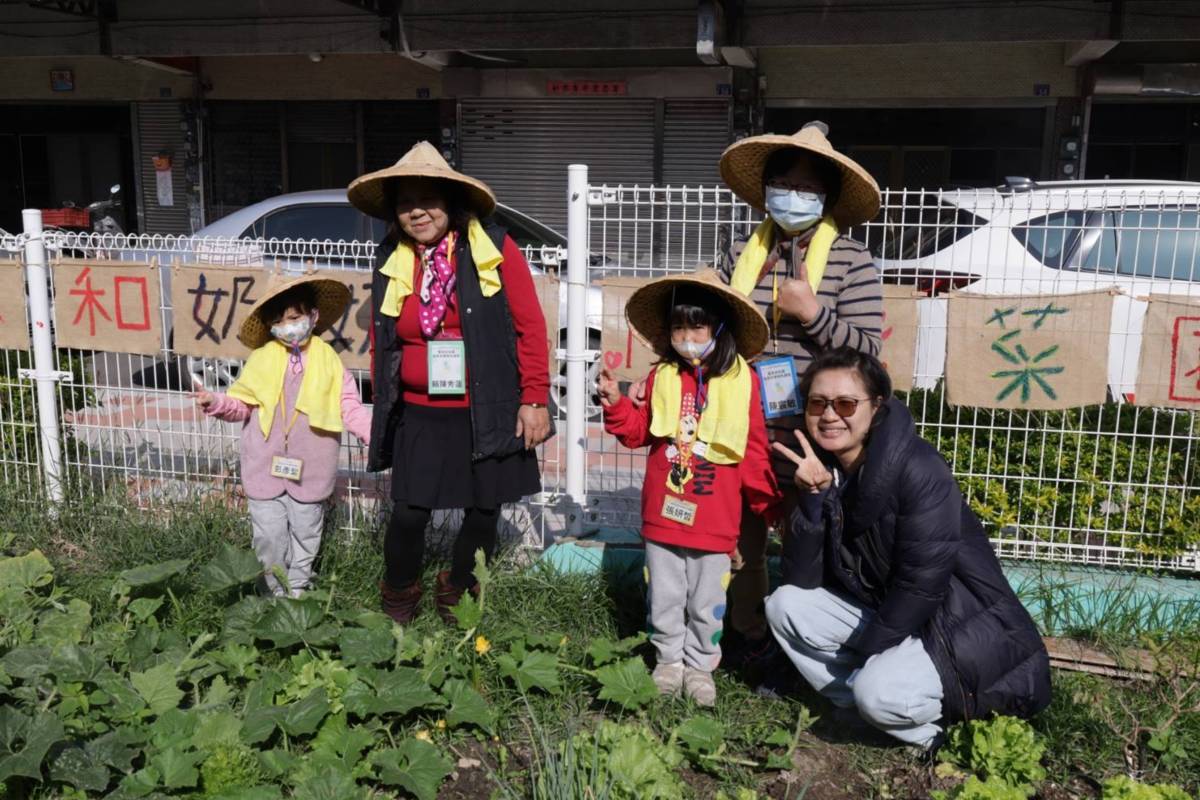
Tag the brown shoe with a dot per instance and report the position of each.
(401, 605)
(447, 596)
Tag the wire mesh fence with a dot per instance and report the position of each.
(1107, 483)
(1112, 482)
(130, 423)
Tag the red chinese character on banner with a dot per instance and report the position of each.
(141, 303)
(1195, 371)
(90, 303)
(1185, 353)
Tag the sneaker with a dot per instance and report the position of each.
(668, 678)
(699, 686)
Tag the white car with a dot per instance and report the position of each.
(251, 236)
(1141, 237)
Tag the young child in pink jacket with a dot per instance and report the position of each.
(294, 398)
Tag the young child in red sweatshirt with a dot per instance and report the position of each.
(707, 434)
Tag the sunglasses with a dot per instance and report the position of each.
(842, 406)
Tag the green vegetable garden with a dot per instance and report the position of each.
(138, 660)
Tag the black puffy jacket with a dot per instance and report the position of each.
(901, 539)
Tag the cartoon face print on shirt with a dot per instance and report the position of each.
(680, 452)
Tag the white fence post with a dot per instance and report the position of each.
(577, 391)
(46, 378)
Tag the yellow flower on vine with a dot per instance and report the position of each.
(423, 735)
(482, 645)
(441, 724)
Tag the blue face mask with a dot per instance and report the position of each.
(794, 211)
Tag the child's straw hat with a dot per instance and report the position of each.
(649, 309)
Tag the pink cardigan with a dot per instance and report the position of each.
(317, 448)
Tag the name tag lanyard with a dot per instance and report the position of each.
(287, 429)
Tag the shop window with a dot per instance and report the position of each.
(972, 167)
(320, 165)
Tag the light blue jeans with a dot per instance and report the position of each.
(898, 691)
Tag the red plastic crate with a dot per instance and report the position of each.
(66, 217)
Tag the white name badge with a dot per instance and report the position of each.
(286, 468)
(780, 388)
(447, 366)
(680, 511)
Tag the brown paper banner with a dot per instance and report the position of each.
(209, 304)
(1028, 351)
(898, 352)
(547, 287)
(350, 335)
(1169, 366)
(112, 306)
(623, 353)
(14, 327)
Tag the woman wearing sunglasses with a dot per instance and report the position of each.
(893, 602)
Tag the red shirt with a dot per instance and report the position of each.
(533, 355)
(718, 490)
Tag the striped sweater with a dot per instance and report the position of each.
(851, 312)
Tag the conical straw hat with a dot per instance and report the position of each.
(743, 162)
(332, 298)
(367, 193)
(649, 307)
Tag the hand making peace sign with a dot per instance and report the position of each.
(811, 475)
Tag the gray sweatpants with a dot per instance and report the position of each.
(898, 691)
(685, 599)
(287, 533)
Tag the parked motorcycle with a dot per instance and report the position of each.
(97, 217)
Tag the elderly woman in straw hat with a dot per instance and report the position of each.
(460, 365)
(818, 289)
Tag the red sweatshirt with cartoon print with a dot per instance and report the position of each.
(717, 490)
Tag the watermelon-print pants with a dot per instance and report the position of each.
(685, 603)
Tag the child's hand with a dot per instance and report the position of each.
(811, 475)
(606, 384)
(637, 393)
(203, 399)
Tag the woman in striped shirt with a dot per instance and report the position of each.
(819, 290)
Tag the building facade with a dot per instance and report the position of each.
(198, 109)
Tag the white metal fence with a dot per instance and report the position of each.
(128, 422)
(1107, 484)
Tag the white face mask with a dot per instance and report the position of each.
(293, 333)
(792, 210)
(692, 351)
(695, 352)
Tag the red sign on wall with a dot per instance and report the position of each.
(586, 88)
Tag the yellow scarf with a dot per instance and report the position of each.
(748, 270)
(401, 263)
(725, 423)
(320, 396)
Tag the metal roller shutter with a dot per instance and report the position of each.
(244, 147)
(695, 133)
(521, 148)
(159, 129)
(391, 128)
